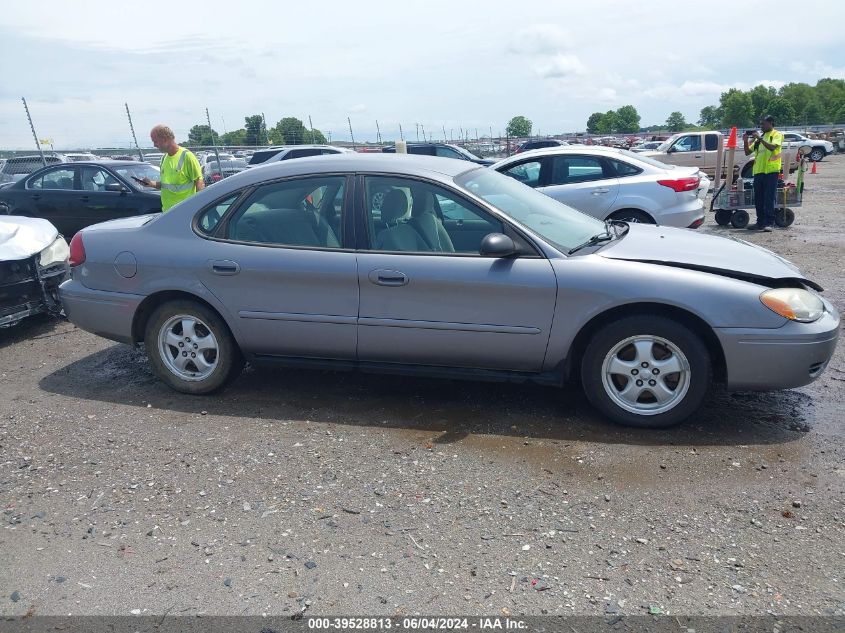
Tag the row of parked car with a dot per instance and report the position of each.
(431, 266)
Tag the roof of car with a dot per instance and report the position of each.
(410, 164)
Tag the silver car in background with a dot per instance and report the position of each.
(352, 262)
(615, 184)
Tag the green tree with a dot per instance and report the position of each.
(627, 119)
(799, 96)
(839, 115)
(676, 122)
(608, 124)
(519, 126)
(831, 93)
(202, 135)
(814, 113)
(781, 110)
(594, 121)
(710, 117)
(291, 131)
(235, 137)
(737, 108)
(255, 133)
(761, 96)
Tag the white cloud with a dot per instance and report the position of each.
(607, 95)
(358, 107)
(818, 69)
(543, 39)
(561, 65)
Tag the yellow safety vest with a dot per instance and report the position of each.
(178, 175)
(767, 161)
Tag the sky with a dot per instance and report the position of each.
(456, 64)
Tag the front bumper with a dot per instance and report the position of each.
(790, 356)
(106, 314)
(27, 289)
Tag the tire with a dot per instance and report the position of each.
(740, 219)
(784, 217)
(747, 170)
(210, 338)
(723, 217)
(816, 154)
(633, 345)
(632, 215)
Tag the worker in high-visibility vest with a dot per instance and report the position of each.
(766, 148)
(181, 174)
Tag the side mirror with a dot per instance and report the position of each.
(116, 187)
(671, 150)
(498, 245)
(805, 149)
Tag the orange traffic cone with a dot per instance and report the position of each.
(813, 170)
(732, 139)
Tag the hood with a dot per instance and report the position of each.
(727, 256)
(22, 237)
(132, 222)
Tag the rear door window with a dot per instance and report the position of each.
(711, 142)
(54, 179)
(573, 168)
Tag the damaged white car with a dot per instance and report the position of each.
(33, 262)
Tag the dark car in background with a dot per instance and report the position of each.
(75, 195)
(444, 150)
(541, 144)
(212, 171)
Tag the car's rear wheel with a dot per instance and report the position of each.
(817, 154)
(723, 217)
(648, 372)
(190, 347)
(740, 219)
(631, 215)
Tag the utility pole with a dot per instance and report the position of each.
(378, 133)
(401, 135)
(311, 125)
(264, 125)
(225, 131)
(352, 136)
(423, 131)
(34, 135)
(445, 140)
(132, 128)
(418, 132)
(214, 144)
(452, 134)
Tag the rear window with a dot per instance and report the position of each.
(263, 156)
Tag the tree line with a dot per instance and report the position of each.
(287, 131)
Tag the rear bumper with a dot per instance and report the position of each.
(683, 215)
(106, 314)
(791, 356)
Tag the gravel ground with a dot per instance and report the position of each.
(358, 494)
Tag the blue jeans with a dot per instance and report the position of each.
(765, 191)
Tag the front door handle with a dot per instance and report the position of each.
(84, 198)
(36, 196)
(388, 278)
(225, 267)
(698, 155)
(597, 192)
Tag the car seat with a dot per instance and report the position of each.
(399, 235)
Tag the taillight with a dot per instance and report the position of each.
(77, 250)
(690, 183)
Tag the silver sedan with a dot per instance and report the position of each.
(616, 184)
(431, 266)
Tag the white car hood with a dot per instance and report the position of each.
(22, 237)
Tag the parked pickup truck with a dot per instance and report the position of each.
(700, 149)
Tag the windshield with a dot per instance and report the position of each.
(466, 152)
(561, 225)
(140, 171)
(668, 143)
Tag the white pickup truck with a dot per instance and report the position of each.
(702, 150)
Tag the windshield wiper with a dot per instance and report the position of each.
(607, 236)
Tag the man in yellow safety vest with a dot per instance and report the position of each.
(766, 148)
(181, 174)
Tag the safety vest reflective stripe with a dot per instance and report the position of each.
(177, 188)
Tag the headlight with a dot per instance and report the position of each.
(794, 304)
(56, 253)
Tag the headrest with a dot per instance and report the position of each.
(394, 206)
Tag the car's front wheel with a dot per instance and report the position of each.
(817, 154)
(649, 372)
(190, 347)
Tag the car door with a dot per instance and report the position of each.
(277, 262)
(436, 305)
(583, 181)
(686, 151)
(98, 201)
(711, 154)
(53, 195)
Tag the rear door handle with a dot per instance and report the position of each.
(388, 278)
(36, 196)
(698, 155)
(597, 192)
(225, 267)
